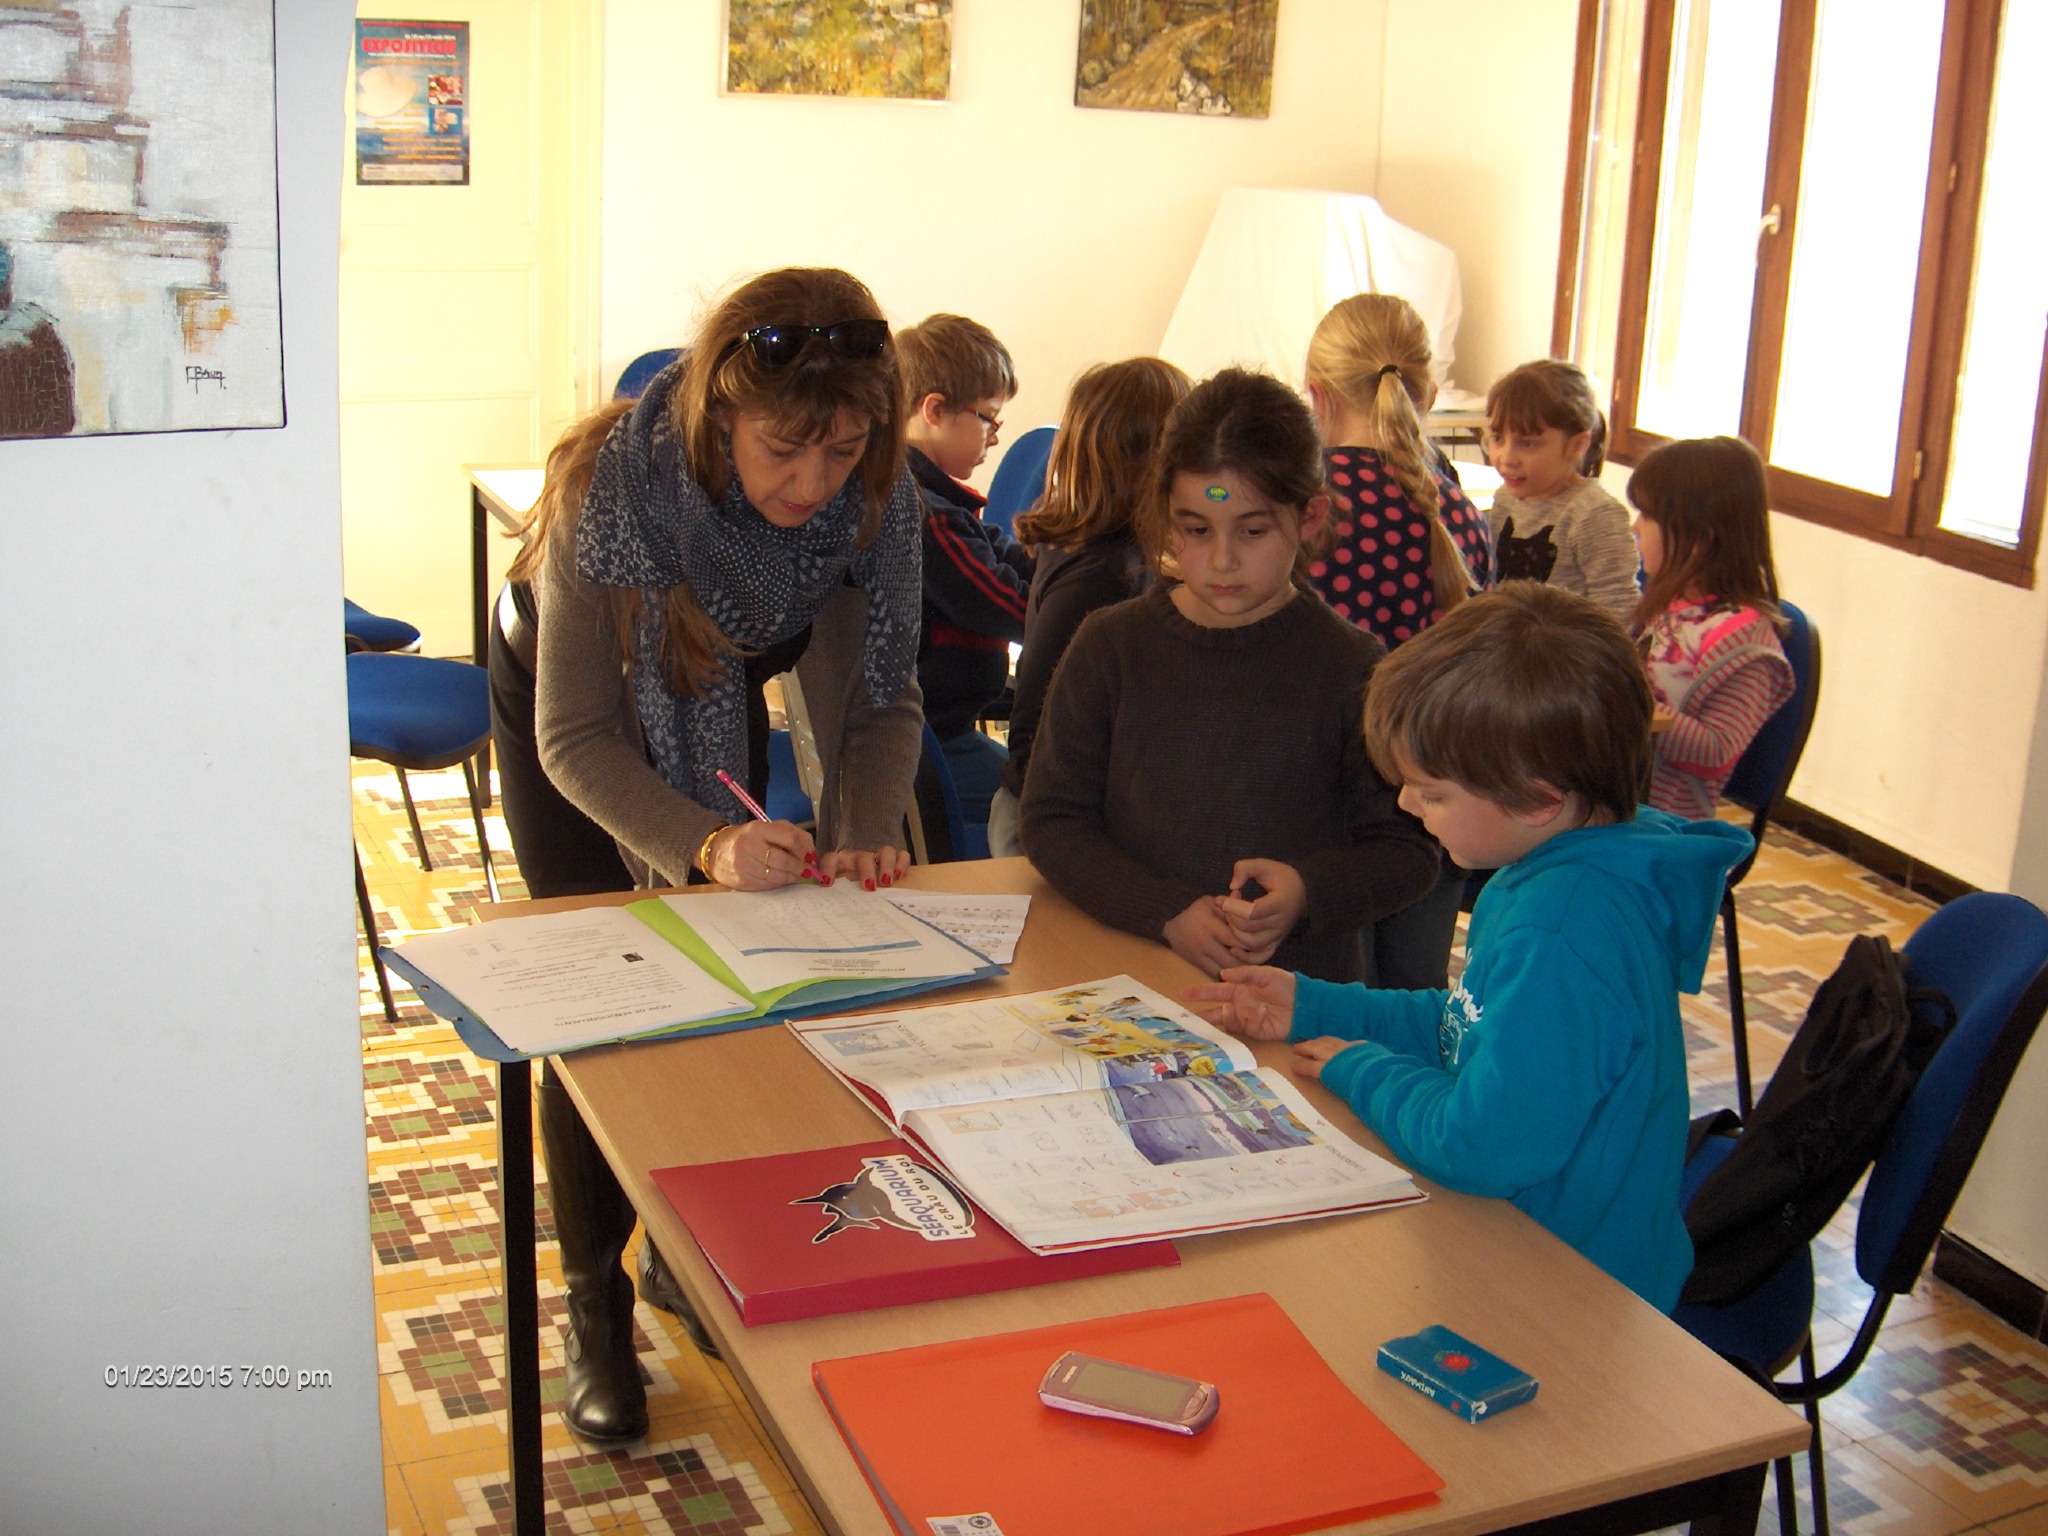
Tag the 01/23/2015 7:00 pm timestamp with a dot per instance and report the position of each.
(271, 1376)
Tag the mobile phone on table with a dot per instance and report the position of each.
(1108, 1389)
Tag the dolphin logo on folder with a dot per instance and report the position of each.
(896, 1191)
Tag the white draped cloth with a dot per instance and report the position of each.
(1274, 261)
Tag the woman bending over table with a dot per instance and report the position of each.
(749, 514)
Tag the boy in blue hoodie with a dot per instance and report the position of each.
(1552, 1074)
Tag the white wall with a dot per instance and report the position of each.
(183, 1136)
(1477, 112)
(1068, 231)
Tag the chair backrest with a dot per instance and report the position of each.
(639, 373)
(1765, 769)
(375, 631)
(1020, 479)
(935, 807)
(1987, 951)
(786, 800)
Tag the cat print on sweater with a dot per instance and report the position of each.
(1530, 559)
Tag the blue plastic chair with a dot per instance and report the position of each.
(1760, 779)
(639, 373)
(375, 632)
(1019, 479)
(423, 713)
(786, 800)
(1989, 952)
(939, 832)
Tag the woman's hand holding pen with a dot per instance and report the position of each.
(764, 856)
(1259, 922)
(1255, 1001)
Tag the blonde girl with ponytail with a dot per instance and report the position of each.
(1405, 545)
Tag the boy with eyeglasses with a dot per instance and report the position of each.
(958, 378)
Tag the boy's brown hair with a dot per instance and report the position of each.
(1521, 693)
(955, 358)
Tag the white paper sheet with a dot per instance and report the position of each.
(989, 925)
(804, 932)
(569, 978)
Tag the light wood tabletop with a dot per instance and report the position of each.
(1629, 1404)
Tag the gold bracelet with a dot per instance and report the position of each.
(704, 848)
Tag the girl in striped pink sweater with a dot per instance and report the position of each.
(1708, 620)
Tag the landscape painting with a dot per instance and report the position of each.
(1209, 58)
(880, 48)
(138, 218)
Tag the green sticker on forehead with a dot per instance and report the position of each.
(1217, 493)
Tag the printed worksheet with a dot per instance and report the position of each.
(804, 932)
(547, 983)
(988, 925)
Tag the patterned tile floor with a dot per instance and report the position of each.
(1944, 1431)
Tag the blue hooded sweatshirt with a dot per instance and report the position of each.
(1553, 1074)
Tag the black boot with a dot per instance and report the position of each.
(658, 1288)
(604, 1400)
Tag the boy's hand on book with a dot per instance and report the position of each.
(762, 856)
(1310, 1055)
(869, 869)
(1266, 900)
(1255, 1001)
(1201, 936)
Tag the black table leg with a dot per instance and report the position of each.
(479, 606)
(521, 1289)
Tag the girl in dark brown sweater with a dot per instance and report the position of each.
(1200, 775)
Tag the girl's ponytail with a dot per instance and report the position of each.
(1372, 349)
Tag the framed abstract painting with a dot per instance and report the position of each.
(138, 219)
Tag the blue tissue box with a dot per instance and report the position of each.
(1455, 1373)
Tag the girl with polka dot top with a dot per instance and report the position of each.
(1404, 548)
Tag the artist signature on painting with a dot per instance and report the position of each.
(199, 377)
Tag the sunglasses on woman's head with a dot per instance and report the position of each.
(777, 346)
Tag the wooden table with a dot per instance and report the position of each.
(1636, 1425)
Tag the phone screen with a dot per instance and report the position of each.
(1101, 1382)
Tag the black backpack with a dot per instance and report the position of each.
(1845, 1078)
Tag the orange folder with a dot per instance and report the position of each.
(945, 1432)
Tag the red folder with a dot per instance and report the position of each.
(946, 1432)
(843, 1229)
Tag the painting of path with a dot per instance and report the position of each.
(1210, 58)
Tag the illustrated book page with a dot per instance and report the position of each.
(1101, 1114)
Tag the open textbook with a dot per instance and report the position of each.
(564, 979)
(1101, 1113)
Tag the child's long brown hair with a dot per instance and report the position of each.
(1372, 352)
(1100, 470)
(722, 378)
(1710, 501)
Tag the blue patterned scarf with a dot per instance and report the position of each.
(647, 524)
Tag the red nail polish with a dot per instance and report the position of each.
(824, 880)
(867, 885)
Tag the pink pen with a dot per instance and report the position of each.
(754, 809)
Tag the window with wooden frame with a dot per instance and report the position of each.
(1815, 223)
